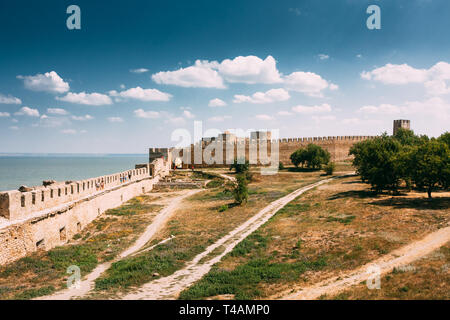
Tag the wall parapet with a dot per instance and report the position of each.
(15, 204)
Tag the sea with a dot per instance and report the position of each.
(31, 169)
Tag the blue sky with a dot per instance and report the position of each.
(138, 70)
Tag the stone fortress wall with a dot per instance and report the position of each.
(338, 146)
(47, 216)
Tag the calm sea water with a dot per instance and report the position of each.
(32, 170)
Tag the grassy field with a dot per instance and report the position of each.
(44, 272)
(203, 219)
(427, 278)
(335, 227)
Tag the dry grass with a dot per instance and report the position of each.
(198, 224)
(44, 272)
(342, 223)
(427, 278)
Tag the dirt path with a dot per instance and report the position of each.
(169, 287)
(160, 219)
(387, 263)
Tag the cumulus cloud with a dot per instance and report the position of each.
(188, 114)
(264, 117)
(49, 82)
(26, 111)
(140, 113)
(219, 118)
(322, 56)
(52, 122)
(217, 103)
(9, 99)
(212, 74)
(201, 75)
(92, 99)
(324, 108)
(284, 113)
(435, 106)
(308, 83)
(82, 118)
(4, 114)
(115, 119)
(269, 96)
(250, 69)
(57, 111)
(139, 70)
(434, 79)
(142, 94)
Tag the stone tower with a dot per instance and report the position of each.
(405, 124)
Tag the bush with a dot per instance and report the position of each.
(240, 191)
(240, 166)
(386, 161)
(281, 166)
(329, 168)
(313, 156)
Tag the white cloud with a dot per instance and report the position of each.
(322, 56)
(320, 119)
(359, 56)
(178, 121)
(52, 122)
(82, 118)
(139, 70)
(284, 113)
(434, 79)
(219, 118)
(264, 117)
(217, 103)
(92, 99)
(381, 109)
(115, 119)
(140, 113)
(142, 94)
(269, 96)
(69, 131)
(14, 128)
(250, 69)
(188, 114)
(57, 111)
(308, 83)
(9, 99)
(201, 75)
(435, 107)
(49, 82)
(4, 114)
(26, 111)
(324, 108)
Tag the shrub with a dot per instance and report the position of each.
(313, 156)
(281, 166)
(329, 168)
(240, 190)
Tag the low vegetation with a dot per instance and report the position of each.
(44, 272)
(389, 162)
(427, 278)
(333, 228)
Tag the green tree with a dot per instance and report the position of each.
(240, 190)
(430, 165)
(240, 166)
(329, 168)
(445, 137)
(376, 161)
(313, 156)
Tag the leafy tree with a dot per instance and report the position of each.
(430, 165)
(240, 166)
(313, 156)
(407, 137)
(445, 137)
(240, 190)
(329, 168)
(377, 162)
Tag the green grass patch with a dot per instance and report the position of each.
(34, 293)
(253, 242)
(344, 220)
(243, 281)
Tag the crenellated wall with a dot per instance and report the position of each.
(49, 216)
(338, 146)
